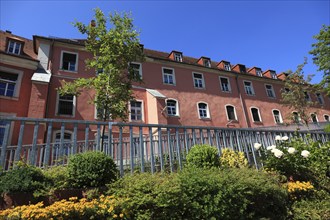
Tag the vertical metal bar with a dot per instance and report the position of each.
(86, 137)
(62, 142)
(238, 141)
(201, 136)
(178, 148)
(110, 146)
(131, 148)
(141, 149)
(216, 132)
(160, 149)
(75, 131)
(151, 150)
(169, 148)
(98, 137)
(20, 140)
(186, 140)
(34, 143)
(194, 136)
(4, 145)
(47, 150)
(209, 136)
(121, 162)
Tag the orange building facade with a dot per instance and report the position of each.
(176, 89)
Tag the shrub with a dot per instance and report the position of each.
(91, 169)
(203, 156)
(199, 193)
(232, 159)
(58, 176)
(23, 178)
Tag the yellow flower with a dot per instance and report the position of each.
(115, 216)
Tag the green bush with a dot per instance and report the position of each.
(58, 176)
(199, 193)
(23, 178)
(203, 156)
(233, 159)
(91, 169)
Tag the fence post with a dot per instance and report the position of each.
(19, 144)
(4, 146)
(34, 144)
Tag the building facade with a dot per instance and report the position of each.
(176, 89)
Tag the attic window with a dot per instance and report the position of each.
(242, 69)
(259, 72)
(207, 63)
(226, 65)
(273, 75)
(178, 57)
(14, 47)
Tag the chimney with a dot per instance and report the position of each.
(7, 31)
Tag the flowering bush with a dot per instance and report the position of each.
(103, 208)
(233, 159)
(298, 190)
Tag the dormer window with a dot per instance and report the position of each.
(14, 47)
(242, 69)
(259, 72)
(69, 61)
(273, 75)
(178, 57)
(207, 63)
(227, 66)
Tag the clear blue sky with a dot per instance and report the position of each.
(269, 34)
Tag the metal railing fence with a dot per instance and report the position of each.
(144, 147)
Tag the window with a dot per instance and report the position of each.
(178, 57)
(326, 118)
(67, 138)
(307, 96)
(207, 63)
(66, 105)
(270, 91)
(69, 61)
(314, 118)
(273, 75)
(168, 76)
(295, 117)
(137, 68)
(286, 90)
(255, 115)
(248, 88)
(172, 107)
(7, 84)
(136, 111)
(227, 66)
(14, 47)
(259, 72)
(225, 85)
(242, 69)
(100, 113)
(277, 116)
(203, 110)
(2, 130)
(198, 80)
(231, 113)
(319, 98)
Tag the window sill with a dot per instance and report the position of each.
(9, 97)
(258, 122)
(202, 88)
(69, 71)
(66, 116)
(233, 121)
(205, 119)
(168, 84)
(250, 94)
(225, 91)
(174, 116)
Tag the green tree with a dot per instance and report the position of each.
(296, 93)
(114, 45)
(321, 53)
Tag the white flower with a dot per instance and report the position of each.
(278, 138)
(271, 147)
(305, 153)
(277, 153)
(285, 138)
(257, 146)
(291, 150)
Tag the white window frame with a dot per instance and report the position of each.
(173, 75)
(325, 115)
(208, 116)
(259, 72)
(279, 115)
(5, 114)
(207, 63)
(95, 114)
(227, 66)
(229, 87)
(202, 79)
(16, 44)
(61, 61)
(142, 110)
(18, 81)
(317, 120)
(251, 88)
(59, 132)
(140, 68)
(259, 114)
(319, 98)
(236, 119)
(273, 75)
(177, 57)
(299, 119)
(57, 105)
(176, 107)
(270, 90)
